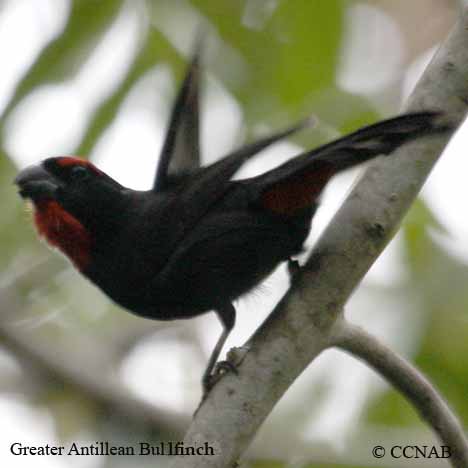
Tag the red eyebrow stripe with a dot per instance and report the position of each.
(71, 161)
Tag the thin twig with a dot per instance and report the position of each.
(411, 383)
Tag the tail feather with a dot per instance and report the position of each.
(297, 184)
(380, 138)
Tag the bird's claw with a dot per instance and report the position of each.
(293, 268)
(221, 368)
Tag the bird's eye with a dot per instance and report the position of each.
(79, 173)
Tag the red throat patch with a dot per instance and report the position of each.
(63, 231)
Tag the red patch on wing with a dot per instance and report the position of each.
(295, 193)
(63, 231)
(65, 161)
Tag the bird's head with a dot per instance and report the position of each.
(73, 203)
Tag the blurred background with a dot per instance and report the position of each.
(96, 78)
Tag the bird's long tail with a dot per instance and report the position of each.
(297, 184)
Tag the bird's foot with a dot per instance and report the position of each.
(234, 357)
(220, 369)
(223, 367)
(293, 268)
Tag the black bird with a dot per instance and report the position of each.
(197, 240)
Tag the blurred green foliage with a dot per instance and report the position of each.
(438, 286)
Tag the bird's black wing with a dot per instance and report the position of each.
(181, 148)
(194, 196)
(298, 182)
(180, 154)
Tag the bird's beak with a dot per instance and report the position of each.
(36, 183)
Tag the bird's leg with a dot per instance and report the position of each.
(227, 316)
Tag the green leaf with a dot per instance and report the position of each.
(288, 59)
(62, 58)
(154, 50)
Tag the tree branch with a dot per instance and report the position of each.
(411, 383)
(106, 391)
(310, 315)
(92, 377)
